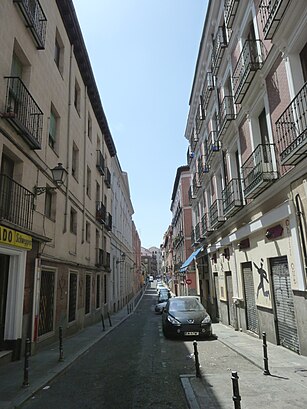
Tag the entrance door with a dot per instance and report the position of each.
(216, 297)
(250, 302)
(230, 305)
(4, 273)
(284, 305)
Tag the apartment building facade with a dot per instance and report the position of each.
(55, 245)
(247, 154)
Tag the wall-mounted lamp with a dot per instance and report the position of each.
(244, 244)
(58, 175)
(274, 232)
(122, 258)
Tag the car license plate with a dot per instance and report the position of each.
(191, 333)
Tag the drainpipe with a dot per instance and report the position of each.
(85, 165)
(68, 145)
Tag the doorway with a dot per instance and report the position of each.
(4, 274)
(250, 301)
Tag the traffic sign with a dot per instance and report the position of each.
(188, 281)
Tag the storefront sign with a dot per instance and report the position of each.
(15, 238)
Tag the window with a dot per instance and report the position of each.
(50, 205)
(73, 221)
(75, 161)
(72, 301)
(53, 128)
(98, 290)
(59, 52)
(89, 127)
(88, 181)
(77, 97)
(88, 232)
(87, 293)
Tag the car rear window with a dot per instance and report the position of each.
(186, 305)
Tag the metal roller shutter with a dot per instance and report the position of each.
(250, 302)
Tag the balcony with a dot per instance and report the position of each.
(196, 183)
(191, 195)
(109, 222)
(107, 178)
(197, 232)
(193, 140)
(232, 197)
(100, 162)
(201, 167)
(205, 227)
(230, 9)
(101, 212)
(291, 129)
(213, 145)
(99, 258)
(16, 203)
(199, 118)
(35, 20)
(107, 261)
(219, 44)
(207, 91)
(251, 59)
(271, 12)
(226, 114)
(259, 171)
(23, 113)
(216, 214)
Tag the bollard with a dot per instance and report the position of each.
(265, 355)
(235, 388)
(109, 319)
(102, 322)
(198, 375)
(26, 364)
(61, 356)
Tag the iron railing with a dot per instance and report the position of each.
(35, 19)
(207, 90)
(230, 9)
(259, 170)
(205, 226)
(226, 114)
(251, 59)
(232, 197)
(199, 119)
(16, 203)
(196, 182)
(291, 129)
(23, 112)
(271, 12)
(109, 222)
(212, 145)
(101, 212)
(100, 165)
(216, 214)
(219, 44)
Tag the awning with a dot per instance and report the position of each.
(189, 260)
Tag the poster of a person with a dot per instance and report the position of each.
(263, 276)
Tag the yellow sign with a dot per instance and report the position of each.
(15, 238)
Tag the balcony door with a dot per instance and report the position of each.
(6, 177)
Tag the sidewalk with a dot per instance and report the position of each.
(285, 386)
(45, 365)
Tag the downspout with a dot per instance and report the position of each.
(68, 145)
(85, 166)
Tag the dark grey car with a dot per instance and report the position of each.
(185, 317)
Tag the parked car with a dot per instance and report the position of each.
(164, 295)
(159, 307)
(185, 316)
(151, 279)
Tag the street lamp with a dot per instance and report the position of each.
(58, 176)
(122, 258)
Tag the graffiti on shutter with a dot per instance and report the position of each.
(284, 305)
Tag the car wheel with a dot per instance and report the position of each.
(165, 333)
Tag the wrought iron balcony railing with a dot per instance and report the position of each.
(259, 170)
(101, 212)
(16, 203)
(107, 178)
(212, 145)
(207, 91)
(193, 139)
(291, 129)
(23, 112)
(199, 118)
(232, 197)
(205, 226)
(196, 182)
(191, 195)
(251, 59)
(226, 114)
(197, 232)
(271, 12)
(216, 214)
(201, 167)
(100, 165)
(219, 44)
(35, 20)
(230, 9)
(107, 261)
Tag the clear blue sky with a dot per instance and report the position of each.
(143, 54)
